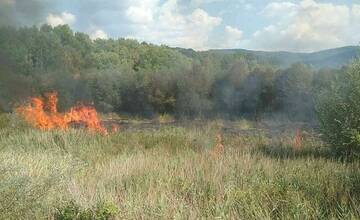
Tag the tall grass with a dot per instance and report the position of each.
(170, 174)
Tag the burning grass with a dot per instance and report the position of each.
(43, 114)
(167, 173)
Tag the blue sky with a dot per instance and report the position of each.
(303, 25)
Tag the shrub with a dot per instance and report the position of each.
(105, 210)
(73, 211)
(338, 111)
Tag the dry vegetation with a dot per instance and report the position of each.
(170, 172)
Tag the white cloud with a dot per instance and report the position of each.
(201, 18)
(139, 15)
(168, 25)
(141, 12)
(198, 3)
(308, 26)
(233, 31)
(98, 34)
(275, 9)
(60, 19)
(231, 38)
(356, 12)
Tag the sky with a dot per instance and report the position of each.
(271, 25)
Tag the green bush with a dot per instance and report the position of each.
(73, 211)
(105, 210)
(338, 111)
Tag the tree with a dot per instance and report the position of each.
(194, 91)
(258, 92)
(338, 112)
(294, 92)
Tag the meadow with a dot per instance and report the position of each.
(173, 171)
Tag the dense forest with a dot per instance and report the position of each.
(128, 77)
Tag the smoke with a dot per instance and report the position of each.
(17, 13)
(13, 87)
(22, 12)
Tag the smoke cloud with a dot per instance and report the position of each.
(22, 12)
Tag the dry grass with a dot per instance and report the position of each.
(169, 174)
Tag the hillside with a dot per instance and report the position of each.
(331, 58)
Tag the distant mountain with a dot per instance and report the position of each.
(332, 58)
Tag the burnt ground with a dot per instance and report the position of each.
(270, 129)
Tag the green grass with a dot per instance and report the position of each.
(170, 174)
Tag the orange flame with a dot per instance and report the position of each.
(114, 128)
(219, 148)
(44, 115)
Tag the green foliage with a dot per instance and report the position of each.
(125, 76)
(338, 111)
(72, 211)
(294, 87)
(105, 211)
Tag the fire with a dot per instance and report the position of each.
(114, 128)
(43, 114)
(219, 148)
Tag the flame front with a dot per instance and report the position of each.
(43, 115)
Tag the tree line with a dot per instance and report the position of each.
(137, 78)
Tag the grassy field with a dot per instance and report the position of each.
(173, 172)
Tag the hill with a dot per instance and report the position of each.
(331, 58)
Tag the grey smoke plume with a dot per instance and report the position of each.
(13, 87)
(22, 12)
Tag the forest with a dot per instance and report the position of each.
(133, 78)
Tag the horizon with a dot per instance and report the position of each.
(281, 26)
(207, 50)
(283, 51)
